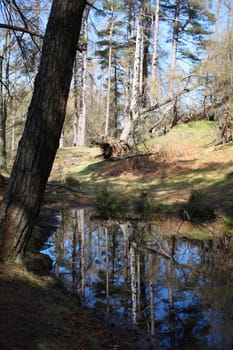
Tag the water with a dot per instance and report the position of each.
(178, 291)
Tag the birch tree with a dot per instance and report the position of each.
(154, 60)
(82, 120)
(134, 107)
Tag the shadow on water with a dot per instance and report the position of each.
(177, 290)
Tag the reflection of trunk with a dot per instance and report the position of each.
(151, 296)
(169, 266)
(59, 246)
(133, 275)
(170, 294)
(74, 251)
(125, 230)
(138, 285)
(107, 267)
(81, 230)
(113, 256)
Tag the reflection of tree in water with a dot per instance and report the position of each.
(177, 289)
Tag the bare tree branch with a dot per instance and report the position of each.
(20, 29)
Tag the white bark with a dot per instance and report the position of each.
(154, 61)
(174, 47)
(107, 119)
(135, 87)
(75, 114)
(83, 106)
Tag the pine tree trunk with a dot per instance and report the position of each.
(40, 139)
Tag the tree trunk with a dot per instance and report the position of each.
(83, 103)
(107, 120)
(40, 139)
(127, 123)
(2, 123)
(175, 40)
(135, 88)
(75, 91)
(154, 61)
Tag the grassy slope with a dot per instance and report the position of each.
(186, 168)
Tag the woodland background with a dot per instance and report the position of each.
(141, 67)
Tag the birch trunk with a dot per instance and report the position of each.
(75, 113)
(174, 47)
(133, 114)
(107, 119)
(83, 106)
(154, 61)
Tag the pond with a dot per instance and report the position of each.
(143, 275)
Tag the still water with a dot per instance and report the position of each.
(178, 291)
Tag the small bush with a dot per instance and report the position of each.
(198, 207)
(109, 200)
(72, 182)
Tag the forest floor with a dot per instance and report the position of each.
(185, 174)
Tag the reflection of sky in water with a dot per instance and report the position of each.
(187, 295)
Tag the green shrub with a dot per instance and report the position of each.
(109, 200)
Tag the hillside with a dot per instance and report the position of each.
(181, 170)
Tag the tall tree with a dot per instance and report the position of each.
(190, 19)
(40, 140)
(83, 100)
(109, 51)
(154, 60)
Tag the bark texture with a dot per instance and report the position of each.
(40, 140)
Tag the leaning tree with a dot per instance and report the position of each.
(40, 140)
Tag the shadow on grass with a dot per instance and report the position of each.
(197, 198)
(93, 171)
(202, 192)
